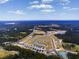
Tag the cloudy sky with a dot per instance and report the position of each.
(39, 10)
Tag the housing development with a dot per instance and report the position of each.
(43, 42)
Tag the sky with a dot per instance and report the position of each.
(39, 10)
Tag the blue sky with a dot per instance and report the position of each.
(39, 10)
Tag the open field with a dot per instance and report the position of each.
(4, 54)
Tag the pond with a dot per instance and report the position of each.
(63, 54)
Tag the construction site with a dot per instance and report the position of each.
(44, 42)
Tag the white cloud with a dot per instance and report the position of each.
(39, 6)
(17, 12)
(65, 2)
(3, 1)
(74, 9)
(70, 8)
(34, 2)
(42, 5)
(48, 10)
(66, 7)
(47, 1)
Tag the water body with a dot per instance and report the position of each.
(63, 55)
(42, 22)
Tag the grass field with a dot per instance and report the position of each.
(4, 54)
